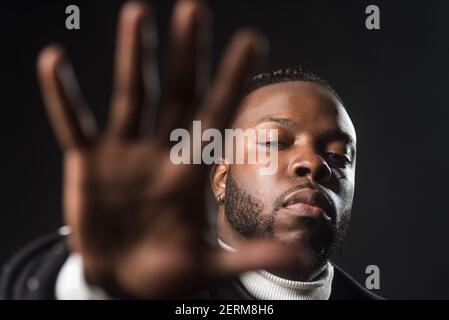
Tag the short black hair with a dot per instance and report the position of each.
(288, 74)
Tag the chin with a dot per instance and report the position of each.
(309, 239)
(303, 232)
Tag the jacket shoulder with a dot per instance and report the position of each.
(31, 273)
(344, 287)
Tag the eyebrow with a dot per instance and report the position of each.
(283, 121)
(336, 134)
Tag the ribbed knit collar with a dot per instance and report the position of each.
(266, 286)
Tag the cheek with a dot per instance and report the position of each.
(343, 199)
(348, 187)
(261, 187)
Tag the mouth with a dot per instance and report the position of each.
(310, 203)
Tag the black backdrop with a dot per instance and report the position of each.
(394, 81)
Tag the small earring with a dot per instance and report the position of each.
(220, 199)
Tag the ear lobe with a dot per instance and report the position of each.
(218, 178)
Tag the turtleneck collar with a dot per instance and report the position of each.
(266, 286)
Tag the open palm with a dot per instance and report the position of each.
(137, 219)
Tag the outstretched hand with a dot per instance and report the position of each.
(138, 220)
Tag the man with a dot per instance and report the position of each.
(137, 221)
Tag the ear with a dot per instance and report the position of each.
(218, 178)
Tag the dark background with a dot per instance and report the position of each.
(394, 81)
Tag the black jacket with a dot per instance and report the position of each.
(32, 273)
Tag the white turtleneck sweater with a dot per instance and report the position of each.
(71, 284)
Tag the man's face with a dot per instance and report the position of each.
(307, 202)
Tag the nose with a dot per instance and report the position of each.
(307, 163)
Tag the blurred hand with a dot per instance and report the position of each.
(137, 220)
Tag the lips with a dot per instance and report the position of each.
(310, 203)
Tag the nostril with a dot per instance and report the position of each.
(302, 171)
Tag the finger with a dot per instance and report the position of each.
(187, 65)
(244, 56)
(264, 254)
(72, 122)
(136, 46)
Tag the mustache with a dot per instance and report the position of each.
(278, 203)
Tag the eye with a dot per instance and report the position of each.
(338, 159)
(275, 144)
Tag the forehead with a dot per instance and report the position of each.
(309, 104)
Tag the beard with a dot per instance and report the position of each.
(245, 214)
